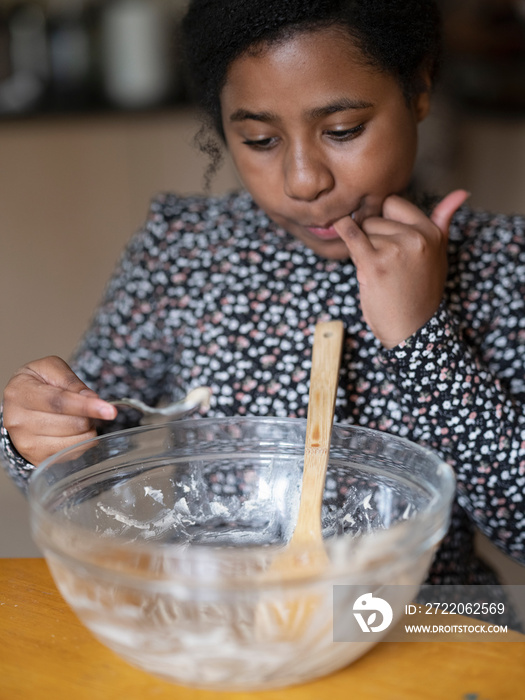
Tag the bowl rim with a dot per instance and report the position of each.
(425, 536)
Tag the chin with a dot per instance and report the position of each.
(335, 255)
(331, 250)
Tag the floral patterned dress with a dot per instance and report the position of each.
(210, 291)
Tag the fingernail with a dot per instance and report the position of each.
(107, 412)
(88, 392)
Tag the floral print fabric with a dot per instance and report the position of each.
(211, 292)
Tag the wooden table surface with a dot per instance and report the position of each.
(46, 654)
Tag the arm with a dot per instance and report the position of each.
(454, 387)
(467, 414)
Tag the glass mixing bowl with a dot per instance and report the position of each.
(162, 539)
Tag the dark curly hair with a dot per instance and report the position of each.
(402, 37)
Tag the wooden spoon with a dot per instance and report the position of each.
(324, 378)
(304, 555)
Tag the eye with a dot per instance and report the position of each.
(345, 134)
(261, 144)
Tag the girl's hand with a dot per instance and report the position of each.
(401, 262)
(47, 408)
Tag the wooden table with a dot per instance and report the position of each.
(46, 654)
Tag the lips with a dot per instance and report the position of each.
(325, 233)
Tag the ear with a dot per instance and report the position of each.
(421, 101)
(421, 105)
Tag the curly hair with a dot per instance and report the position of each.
(402, 37)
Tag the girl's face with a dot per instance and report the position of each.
(316, 134)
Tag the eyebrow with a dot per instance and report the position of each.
(341, 105)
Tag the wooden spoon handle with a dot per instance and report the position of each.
(324, 377)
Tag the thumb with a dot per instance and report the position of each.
(56, 372)
(445, 210)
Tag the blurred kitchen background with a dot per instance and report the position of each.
(95, 118)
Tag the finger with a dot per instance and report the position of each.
(26, 393)
(376, 225)
(358, 243)
(68, 403)
(50, 385)
(398, 209)
(54, 425)
(106, 411)
(445, 210)
(54, 371)
(88, 392)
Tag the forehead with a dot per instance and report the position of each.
(306, 66)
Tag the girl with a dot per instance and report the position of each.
(318, 102)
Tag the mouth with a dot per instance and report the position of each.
(328, 232)
(325, 233)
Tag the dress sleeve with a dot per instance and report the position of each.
(16, 466)
(469, 415)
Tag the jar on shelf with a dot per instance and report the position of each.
(26, 59)
(71, 53)
(135, 53)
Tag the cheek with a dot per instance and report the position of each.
(391, 161)
(243, 163)
(260, 179)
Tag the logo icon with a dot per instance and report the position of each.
(367, 603)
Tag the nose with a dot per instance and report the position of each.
(307, 175)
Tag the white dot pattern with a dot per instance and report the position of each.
(211, 292)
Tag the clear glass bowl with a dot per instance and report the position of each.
(162, 539)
